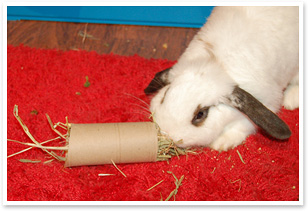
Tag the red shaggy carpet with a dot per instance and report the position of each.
(51, 81)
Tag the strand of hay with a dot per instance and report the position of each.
(36, 143)
(178, 183)
(239, 154)
(44, 142)
(118, 168)
(155, 185)
(240, 183)
(29, 161)
(104, 175)
(40, 146)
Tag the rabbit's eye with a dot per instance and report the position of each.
(200, 115)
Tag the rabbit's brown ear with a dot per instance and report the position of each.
(159, 81)
(259, 114)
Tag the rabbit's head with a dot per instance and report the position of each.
(197, 100)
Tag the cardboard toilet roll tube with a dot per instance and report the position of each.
(97, 144)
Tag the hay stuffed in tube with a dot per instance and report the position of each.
(106, 143)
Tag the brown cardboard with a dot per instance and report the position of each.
(97, 144)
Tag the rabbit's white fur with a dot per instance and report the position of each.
(255, 48)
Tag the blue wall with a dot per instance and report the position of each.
(174, 16)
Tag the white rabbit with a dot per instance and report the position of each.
(238, 70)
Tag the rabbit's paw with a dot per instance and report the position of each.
(234, 134)
(291, 97)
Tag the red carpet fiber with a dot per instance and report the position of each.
(52, 81)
